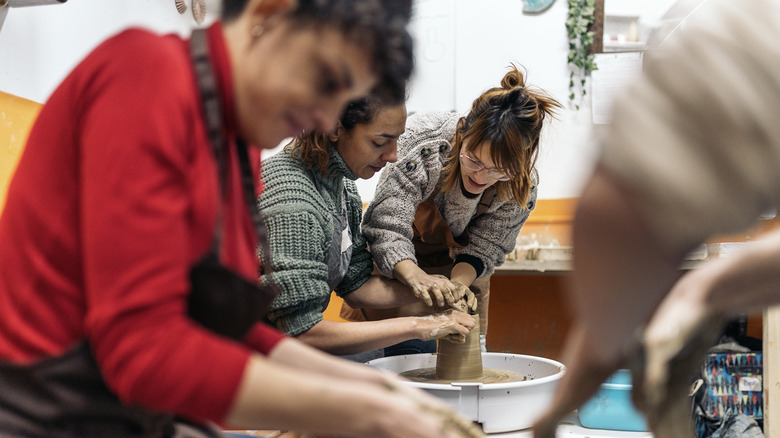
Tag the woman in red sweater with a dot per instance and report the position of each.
(127, 263)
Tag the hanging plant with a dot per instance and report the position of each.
(581, 61)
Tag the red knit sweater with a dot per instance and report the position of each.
(113, 201)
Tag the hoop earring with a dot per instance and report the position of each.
(257, 30)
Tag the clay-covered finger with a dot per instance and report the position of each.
(449, 290)
(466, 320)
(438, 295)
(422, 294)
(461, 290)
(456, 338)
(471, 301)
(450, 296)
(461, 306)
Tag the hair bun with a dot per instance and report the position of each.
(514, 78)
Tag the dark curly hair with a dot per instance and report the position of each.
(313, 147)
(379, 26)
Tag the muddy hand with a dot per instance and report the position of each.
(672, 350)
(433, 290)
(450, 324)
(450, 420)
(466, 301)
(449, 290)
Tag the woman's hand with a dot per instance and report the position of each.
(450, 324)
(450, 422)
(430, 289)
(466, 301)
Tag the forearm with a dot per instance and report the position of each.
(300, 389)
(746, 282)
(620, 272)
(380, 292)
(273, 395)
(301, 356)
(464, 273)
(405, 270)
(355, 337)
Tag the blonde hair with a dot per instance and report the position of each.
(510, 117)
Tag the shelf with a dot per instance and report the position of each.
(534, 267)
(613, 46)
(547, 267)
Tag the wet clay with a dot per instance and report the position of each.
(489, 375)
(462, 363)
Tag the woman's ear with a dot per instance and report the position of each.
(334, 136)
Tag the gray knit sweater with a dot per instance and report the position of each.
(300, 230)
(403, 185)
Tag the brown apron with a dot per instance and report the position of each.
(432, 242)
(66, 397)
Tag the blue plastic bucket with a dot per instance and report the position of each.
(611, 407)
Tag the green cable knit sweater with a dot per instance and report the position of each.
(300, 230)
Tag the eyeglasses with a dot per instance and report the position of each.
(475, 166)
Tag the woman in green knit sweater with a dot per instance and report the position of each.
(313, 211)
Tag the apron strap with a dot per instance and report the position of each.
(212, 112)
(484, 202)
(261, 231)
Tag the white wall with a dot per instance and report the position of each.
(479, 39)
(39, 45)
(462, 48)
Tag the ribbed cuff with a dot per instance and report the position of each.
(475, 262)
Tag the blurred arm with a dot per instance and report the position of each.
(620, 275)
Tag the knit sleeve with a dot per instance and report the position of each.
(299, 235)
(403, 185)
(493, 235)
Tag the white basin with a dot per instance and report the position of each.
(498, 407)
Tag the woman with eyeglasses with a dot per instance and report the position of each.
(450, 209)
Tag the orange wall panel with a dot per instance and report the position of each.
(528, 315)
(16, 118)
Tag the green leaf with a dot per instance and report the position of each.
(578, 20)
